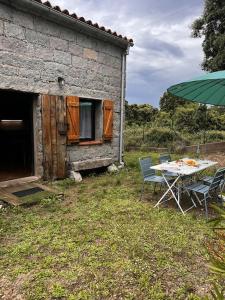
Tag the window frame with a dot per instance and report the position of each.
(102, 122)
(93, 120)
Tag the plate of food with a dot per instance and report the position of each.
(191, 162)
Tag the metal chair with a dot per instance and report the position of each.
(200, 188)
(164, 157)
(148, 174)
(208, 180)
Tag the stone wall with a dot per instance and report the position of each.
(34, 52)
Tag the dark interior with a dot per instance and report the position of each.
(16, 135)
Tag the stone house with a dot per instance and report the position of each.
(62, 89)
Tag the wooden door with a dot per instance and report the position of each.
(54, 136)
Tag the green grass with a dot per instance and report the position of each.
(101, 242)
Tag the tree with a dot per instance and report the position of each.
(163, 119)
(212, 27)
(140, 114)
(169, 103)
(184, 119)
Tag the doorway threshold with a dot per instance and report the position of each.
(18, 181)
(14, 192)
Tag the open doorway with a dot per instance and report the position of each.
(16, 135)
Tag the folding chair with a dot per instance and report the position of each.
(208, 180)
(163, 158)
(200, 188)
(148, 174)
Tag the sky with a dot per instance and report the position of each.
(164, 52)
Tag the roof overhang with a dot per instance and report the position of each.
(40, 9)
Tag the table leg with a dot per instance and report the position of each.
(169, 189)
(178, 200)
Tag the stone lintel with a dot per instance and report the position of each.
(91, 164)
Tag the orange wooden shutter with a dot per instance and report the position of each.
(73, 118)
(107, 120)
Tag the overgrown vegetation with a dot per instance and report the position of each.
(165, 137)
(101, 242)
(216, 249)
(176, 124)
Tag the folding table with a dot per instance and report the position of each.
(180, 168)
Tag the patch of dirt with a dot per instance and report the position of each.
(13, 290)
(219, 157)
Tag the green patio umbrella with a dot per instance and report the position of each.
(206, 89)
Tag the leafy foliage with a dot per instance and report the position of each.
(185, 124)
(161, 136)
(216, 249)
(140, 114)
(169, 103)
(211, 25)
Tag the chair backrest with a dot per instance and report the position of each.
(164, 157)
(146, 164)
(218, 177)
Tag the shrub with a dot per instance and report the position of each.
(147, 136)
(163, 137)
(215, 136)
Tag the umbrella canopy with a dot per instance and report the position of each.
(206, 89)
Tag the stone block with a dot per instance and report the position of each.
(47, 27)
(76, 176)
(62, 57)
(59, 44)
(27, 73)
(14, 30)
(86, 41)
(68, 34)
(102, 58)
(91, 164)
(90, 54)
(23, 19)
(112, 169)
(37, 38)
(9, 70)
(79, 62)
(57, 68)
(112, 50)
(6, 12)
(44, 53)
(75, 49)
(11, 44)
(1, 27)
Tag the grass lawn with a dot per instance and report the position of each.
(101, 242)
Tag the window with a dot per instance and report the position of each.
(89, 121)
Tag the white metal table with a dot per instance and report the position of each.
(179, 169)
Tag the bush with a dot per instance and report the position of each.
(215, 136)
(147, 136)
(160, 136)
(133, 136)
(163, 137)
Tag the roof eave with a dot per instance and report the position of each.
(58, 17)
